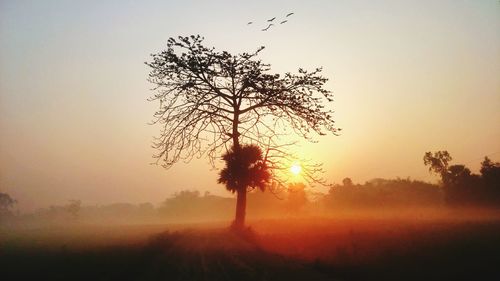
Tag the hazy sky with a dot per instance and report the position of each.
(408, 77)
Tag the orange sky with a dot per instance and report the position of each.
(408, 77)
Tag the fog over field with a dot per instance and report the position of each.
(412, 245)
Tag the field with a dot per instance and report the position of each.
(340, 248)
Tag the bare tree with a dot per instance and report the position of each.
(211, 101)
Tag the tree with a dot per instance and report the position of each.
(490, 172)
(461, 186)
(212, 101)
(347, 182)
(73, 208)
(6, 204)
(438, 162)
(297, 197)
(490, 175)
(244, 168)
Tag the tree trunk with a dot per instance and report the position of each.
(241, 193)
(241, 205)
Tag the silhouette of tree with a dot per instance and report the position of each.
(457, 174)
(6, 204)
(246, 168)
(214, 101)
(74, 208)
(490, 175)
(438, 162)
(490, 171)
(461, 186)
(297, 197)
(347, 182)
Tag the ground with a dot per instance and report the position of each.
(280, 249)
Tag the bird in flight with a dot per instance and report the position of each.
(269, 26)
(281, 20)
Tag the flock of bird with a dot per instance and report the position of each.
(271, 20)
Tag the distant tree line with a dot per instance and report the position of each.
(460, 186)
(192, 205)
(381, 193)
(189, 205)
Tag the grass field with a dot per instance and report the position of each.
(349, 248)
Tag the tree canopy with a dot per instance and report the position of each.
(245, 168)
(461, 186)
(209, 98)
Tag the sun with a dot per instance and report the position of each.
(295, 169)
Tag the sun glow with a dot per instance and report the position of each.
(296, 169)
